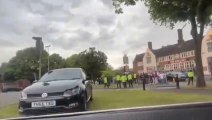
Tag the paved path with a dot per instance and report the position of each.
(9, 98)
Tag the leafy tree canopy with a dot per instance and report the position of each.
(92, 61)
(25, 64)
(169, 12)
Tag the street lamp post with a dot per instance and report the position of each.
(48, 46)
(39, 45)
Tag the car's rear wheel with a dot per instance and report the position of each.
(83, 103)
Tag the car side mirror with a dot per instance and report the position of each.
(83, 81)
(35, 81)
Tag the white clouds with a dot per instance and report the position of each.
(71, 26)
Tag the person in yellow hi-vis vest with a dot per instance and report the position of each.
(135, 78)
(118, 81)
(130, 80)
(191, 77)
(124, 80)
(105, 82)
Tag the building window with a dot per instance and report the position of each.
(182, 55)
(192, 53)
(209, 44)
(172, 57)
(148, 60)
(188, 53)
(185, 54)
(176, 56)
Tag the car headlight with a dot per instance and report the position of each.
(23, 95)
(72, 92)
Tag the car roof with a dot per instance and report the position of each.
(67, 69)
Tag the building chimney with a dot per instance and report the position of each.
(180, 36)
(150, 45)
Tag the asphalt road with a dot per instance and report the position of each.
(9, 98)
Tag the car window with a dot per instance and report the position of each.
(61, 75)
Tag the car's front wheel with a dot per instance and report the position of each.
(83, 103)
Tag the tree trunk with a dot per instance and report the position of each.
(199, 68)
(198, 56)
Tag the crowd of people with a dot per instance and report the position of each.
(128, 80)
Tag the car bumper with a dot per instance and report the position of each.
(61, 103)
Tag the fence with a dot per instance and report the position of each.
(17, 85)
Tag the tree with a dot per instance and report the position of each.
(92, 61)
(109, 73)
(2, 70)
(23, 65)
(170, 12)
(73, 61)
(56, 61)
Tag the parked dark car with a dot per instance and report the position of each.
(170, 75)
(65, 88)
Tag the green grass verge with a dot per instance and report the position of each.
(135, 98)
(9, 111)
(110, 99)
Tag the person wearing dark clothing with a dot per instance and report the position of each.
(177, 82)
(144, 78)
(151, 79)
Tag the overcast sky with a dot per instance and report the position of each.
(71, 26)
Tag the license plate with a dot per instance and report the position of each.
(44, 104)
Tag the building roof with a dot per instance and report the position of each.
(174, 49)
(139, 57)
(169, 50)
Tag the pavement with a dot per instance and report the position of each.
(9, 98)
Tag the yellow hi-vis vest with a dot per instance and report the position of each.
(190, 74)
(135, 75)
(118, 78)
(105, 79)
(129, 77)
(123, 78)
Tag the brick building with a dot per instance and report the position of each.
(176, 57)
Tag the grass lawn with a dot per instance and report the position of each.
(110, 99)
(9, 111)
(135, 98)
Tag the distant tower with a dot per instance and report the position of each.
(125, 59)
(126, 62)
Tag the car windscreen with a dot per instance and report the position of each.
(65, 74)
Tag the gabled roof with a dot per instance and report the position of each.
(174, 49)
(139, 57)
(169, 50)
